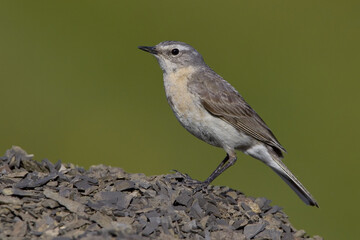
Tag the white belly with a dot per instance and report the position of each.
(194, 118)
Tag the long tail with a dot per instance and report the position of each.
(279, 167)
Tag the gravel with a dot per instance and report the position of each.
(63, 201)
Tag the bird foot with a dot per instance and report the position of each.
(196, 184)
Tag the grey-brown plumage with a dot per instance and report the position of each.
(222, 100)
(211, 109)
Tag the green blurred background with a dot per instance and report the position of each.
(75, 87)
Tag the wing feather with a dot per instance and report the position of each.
(220, 99)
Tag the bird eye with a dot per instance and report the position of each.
(175, 51)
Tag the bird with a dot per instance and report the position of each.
(211, 109)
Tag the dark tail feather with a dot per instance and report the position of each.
(292, 181)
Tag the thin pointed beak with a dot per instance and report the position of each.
(151, 50)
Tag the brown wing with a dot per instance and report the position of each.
(222, 100)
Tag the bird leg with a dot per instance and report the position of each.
(225, 164)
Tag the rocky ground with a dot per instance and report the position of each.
(61, 201)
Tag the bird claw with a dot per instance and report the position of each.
(188, 181)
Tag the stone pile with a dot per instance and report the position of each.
(62, 201)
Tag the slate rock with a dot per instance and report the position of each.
(287, 236)
(49, 203)
(272, 234)
(274, 210)
(15, 155)
(300, 233)
(20, 229)
(5, 170)
(240, 223)
(252, 230)
(189, 226)
(183, 199)
(123, 185)
(150, 227)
